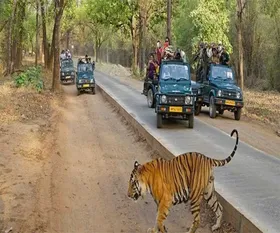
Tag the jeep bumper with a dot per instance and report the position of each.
(86, 85)
(228, 104)
(67, 78)
(174, 110)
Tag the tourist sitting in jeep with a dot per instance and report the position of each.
(151, 72)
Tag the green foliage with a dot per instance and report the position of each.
(5, 9)
(30, 78)
(117, 13)
(69, 16)
(271, 7)
(30, 28)
(211, 21)
(184, 29)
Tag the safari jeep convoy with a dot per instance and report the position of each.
(175, 96)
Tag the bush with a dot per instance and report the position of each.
(30, 77)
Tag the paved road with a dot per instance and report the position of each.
(250, 182)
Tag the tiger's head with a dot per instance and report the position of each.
(136, 185)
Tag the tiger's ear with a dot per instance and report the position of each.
(136, 164)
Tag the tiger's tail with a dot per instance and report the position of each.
(219, 163)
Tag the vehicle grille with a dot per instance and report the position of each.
(229, 94)
(176, 100)
(84, 81)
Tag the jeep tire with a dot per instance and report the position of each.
(191, 120)
(197, 109)
(93, 91)
(212, 107)
(159, 120)
(237, 114)
(150, 98)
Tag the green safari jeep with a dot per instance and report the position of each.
(67, 71)
(174, 97)
(219, 91)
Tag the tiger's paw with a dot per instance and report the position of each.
(151, 230)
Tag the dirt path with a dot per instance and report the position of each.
(95, 155)
(256, 134)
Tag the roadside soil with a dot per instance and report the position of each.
(256, 133)
(27, 122)
(91, 166)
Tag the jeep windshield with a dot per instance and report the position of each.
(66, 63)
(175, 72)
(85, 68)
(221, 72)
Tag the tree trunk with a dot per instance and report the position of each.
(142, 35)
(18, 34)
(169, 15)
(10, 39)
(45, 42)
(143, 52)
(240, 8)
(135, 41)
(51, 58)
(37, 33)
(59, 7)
(141, 38)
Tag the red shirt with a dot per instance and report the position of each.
(159, 52)
(165, 45)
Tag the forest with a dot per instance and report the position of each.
(126, 31)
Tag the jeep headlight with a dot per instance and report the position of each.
(62, 74)
(188, 100)
(219, 93)
(72, 73)
(238, 95)
(198, 91)
(163, 99)
(91, 81)
(80, 81)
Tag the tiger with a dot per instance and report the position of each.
(187, 177)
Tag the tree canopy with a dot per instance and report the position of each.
(126, 31)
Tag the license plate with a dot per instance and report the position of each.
(175, 109)
(86, 85)
(230, 102)
(68, 77)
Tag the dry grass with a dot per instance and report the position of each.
(22, 104)
(263, 106)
